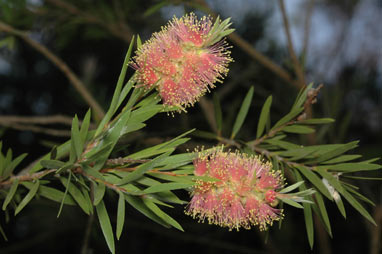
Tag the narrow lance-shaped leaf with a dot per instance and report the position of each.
(32, 192)
(307, 214)
(76, 141)
(107, 230)
(138, 204)
(85, 126)
(299, 129)
(99, 192)
(166, 187)
(288, 117)
(11, 193)
(153, 207)
(324, 214)
(13, 164)
(315, 180)
(264, 115)
(77, 195)
(242, 113)
(64, 196)
(120, 214)
(51, 194)
(116, 96)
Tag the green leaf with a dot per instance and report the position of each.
(138, 204)
(301, 97)
(85, 126)
(11, 193)
(92, 171)
(177, 160)
(309, 223)
(242, 113)
(166, 187)
(351, 167)
(288, 117)
(116, 100)
(52, 164)
(299, 129)
(120, 214)
(76, 194)
(353, 202)
(139, 42)
(153, 207)
(76, 140)
(307, 214)
(342, 158)
(324, 214)
(218, 113)
(125, 90)
(359, 195)
(13, 164)
(291, 203)
(99, 192)
(316, 121)
(144, 113)
(32, 192)
(291, 187)
(143, 169)
(283, 144)
(51, 194)
(105, 224)
(62, 150)
(332, 153)
(264, 116)
(65, 195)
(315, 180)
(161, 148)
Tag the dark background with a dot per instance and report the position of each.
(341, 48)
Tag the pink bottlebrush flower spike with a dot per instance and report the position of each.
(244, 195)
(184, 60)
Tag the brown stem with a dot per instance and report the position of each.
(308, 21)
(296, 64)
(60, 64)
(119, 29)
(376, 232)
(53, 119)
(33, 128)
(24, 178)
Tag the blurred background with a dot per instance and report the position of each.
(59, 57)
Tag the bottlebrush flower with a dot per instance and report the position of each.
(244, 195)
(184, 60)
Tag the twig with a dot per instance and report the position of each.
(296, 64)
(28, 177)
(376, 232)
(53, 119)
(120, 29)
(60, 64)
(308, 21)
(37, 129)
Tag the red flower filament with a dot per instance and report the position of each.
(180, 62)
(244, 195)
